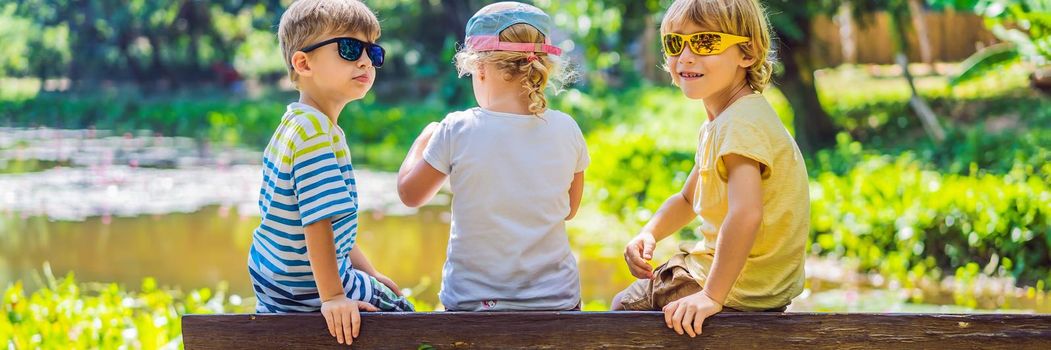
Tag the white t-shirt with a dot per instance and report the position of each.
(510, 176)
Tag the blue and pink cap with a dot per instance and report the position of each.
(483, 30)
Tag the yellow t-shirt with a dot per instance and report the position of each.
(773, 272)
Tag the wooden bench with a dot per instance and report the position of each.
(634, 330)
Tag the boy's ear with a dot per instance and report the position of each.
(746, 59)
(301, 64)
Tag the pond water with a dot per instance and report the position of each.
(210, 246)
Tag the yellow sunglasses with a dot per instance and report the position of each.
(703, 43)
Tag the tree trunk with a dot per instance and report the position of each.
(847, 33)
(650, 57)
(918, 103)
(157, 70)
(814, 129)
(84, 41)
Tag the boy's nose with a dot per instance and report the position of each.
(365, 61)
(687, 56)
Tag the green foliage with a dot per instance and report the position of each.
(986, 61)
(68, 315)
(983, 144)
(146, 41)
(1024, 26)
(896, 215)
(379, 135)
(1025, 23)
(219, 120)
(165, 43)
(30, 47)
(636, 176)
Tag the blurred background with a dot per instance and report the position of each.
(131, 133)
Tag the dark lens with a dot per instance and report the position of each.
(350, 49)
(673, 44)
(376, 54)
(705, 43)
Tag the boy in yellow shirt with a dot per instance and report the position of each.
(749, 184)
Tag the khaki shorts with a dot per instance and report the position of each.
(671, 281)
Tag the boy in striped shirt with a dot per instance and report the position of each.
(302, 257)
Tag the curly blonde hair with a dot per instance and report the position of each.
(738, 17)
(536, 75)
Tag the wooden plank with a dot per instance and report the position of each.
(623, 330)
(953, 38)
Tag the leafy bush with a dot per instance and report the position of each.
(1024, 26)
(65, 315)
(634, 176)
(901, 218)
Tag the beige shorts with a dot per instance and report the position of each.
(671, 281)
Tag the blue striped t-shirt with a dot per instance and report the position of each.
(307, 177)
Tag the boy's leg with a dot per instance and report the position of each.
(616, 304)
(386, 300)
(366, 288)
(637, 297)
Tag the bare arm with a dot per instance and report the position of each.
(321, 251)
(738, 232)
(418, 181)
(736, 237)
(576, 191)
(360, 262)
(341, 313)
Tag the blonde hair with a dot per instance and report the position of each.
(307, 21)
(535, 75)
(738, 17)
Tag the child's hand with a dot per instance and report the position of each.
(637, 254)
(387, 282)
(342, 317)
(689, 313)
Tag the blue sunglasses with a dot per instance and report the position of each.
(351, 49)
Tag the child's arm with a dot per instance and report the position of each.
(676, 212)
(418, 181)
(360, 262)
(340, 312)
(736, 237)
(576, 191)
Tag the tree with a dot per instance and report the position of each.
(792, 22)
(900, 12)
(149, 41)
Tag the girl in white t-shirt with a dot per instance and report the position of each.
(516, 170)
